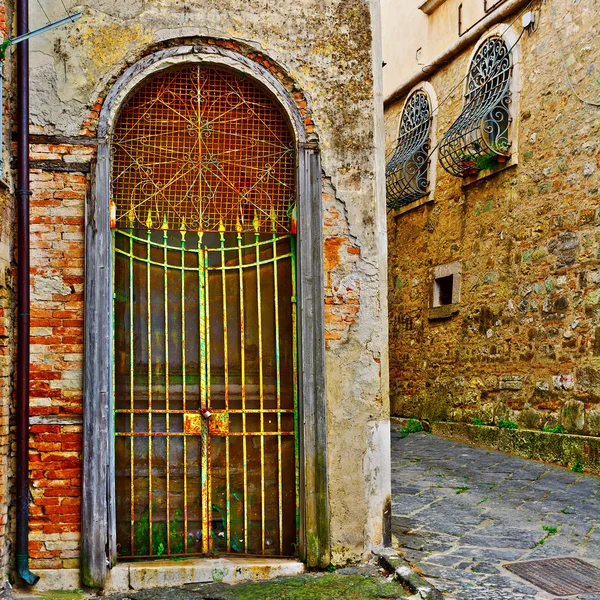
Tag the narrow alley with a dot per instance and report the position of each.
(460, 513)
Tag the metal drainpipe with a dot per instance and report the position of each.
(23, 193)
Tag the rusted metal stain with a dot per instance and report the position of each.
(192, 424)
(218, 423)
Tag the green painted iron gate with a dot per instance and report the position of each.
(205, 349)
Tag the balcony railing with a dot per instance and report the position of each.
(480, 137)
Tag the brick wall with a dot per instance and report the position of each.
(524, 344)
(57, 206)
(342, 286)
(6, 373)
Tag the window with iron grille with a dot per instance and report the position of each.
(407, 172)
(480, 137)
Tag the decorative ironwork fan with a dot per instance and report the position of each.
(202, 148)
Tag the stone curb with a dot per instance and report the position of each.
(563, 450)
(559, 448)
(391, 560)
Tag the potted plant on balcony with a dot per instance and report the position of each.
(486, 161)
(500, 150)
(468, 165)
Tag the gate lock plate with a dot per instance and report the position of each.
(218, 423)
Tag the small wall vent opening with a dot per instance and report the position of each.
(446, 284)
(442, 291)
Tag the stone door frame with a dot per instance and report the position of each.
(98, 536)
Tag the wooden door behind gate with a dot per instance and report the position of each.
(205, 349)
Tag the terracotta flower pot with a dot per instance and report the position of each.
(469, 167)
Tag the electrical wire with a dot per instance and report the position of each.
(66, 10)
(564, 62)
(45, 13)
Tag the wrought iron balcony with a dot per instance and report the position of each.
(480, 137)
(407, 172)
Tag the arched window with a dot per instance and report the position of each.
(407, 172)
(480, 137)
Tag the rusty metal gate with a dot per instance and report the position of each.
(204, 310)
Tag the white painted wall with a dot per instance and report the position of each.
(406, 29)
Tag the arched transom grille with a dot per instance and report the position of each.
(203, 148)
(407, 172)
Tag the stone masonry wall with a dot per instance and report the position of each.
(330, 76)
(524, 344)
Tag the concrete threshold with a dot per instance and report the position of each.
(171, 573)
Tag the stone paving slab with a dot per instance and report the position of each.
(460, 513)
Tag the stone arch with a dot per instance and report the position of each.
(98, 540)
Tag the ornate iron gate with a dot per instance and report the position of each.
(205, 371)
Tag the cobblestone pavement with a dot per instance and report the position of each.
(460, 513)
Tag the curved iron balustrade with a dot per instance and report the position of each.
(407, 171)
(479, 138)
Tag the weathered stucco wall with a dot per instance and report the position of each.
(524, 344)
(326, 49)
(7, 332)
(7, 300)
(412, 39)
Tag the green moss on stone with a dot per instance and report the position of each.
(526, 255)
(63, 595)
(310, 587)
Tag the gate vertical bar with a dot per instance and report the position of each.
(278, 384)
(202, 294)
(167, 379)
(206, 491)
(149, 312)
(243, 377)
(184, 392)
(261, 390)
(226, 387)
(131, 395)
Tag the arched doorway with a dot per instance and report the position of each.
(99, 515)
(204, 318)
